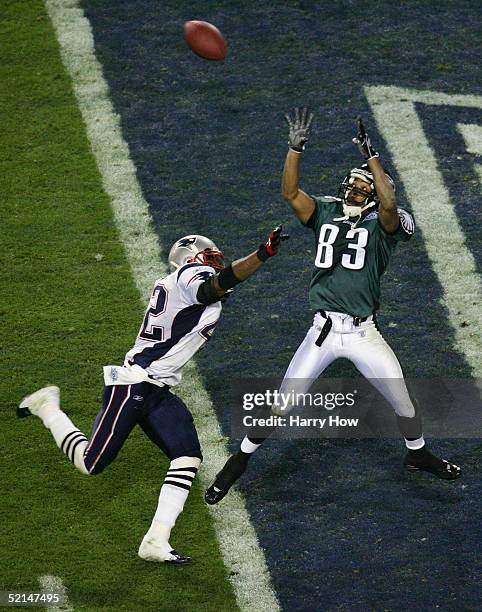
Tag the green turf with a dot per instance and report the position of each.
(69, 307)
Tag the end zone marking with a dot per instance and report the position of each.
(453, 263)
(472, 135)
(237, 539)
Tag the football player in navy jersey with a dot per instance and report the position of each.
(181, 316)
(356, 233)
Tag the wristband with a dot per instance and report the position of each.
(262, 253)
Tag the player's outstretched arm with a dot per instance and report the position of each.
(299, 128)
(240, 270)
(387, 210)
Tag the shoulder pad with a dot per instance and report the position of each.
(202, 275)
(193, 265)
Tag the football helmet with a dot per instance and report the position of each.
(346, 188)
(195, 248)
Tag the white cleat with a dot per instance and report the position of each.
(40, 403)
(161, 552)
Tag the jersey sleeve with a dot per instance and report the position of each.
(405, 229)
(189, 278)
(311, 221)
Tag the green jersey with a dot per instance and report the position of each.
(350, 260)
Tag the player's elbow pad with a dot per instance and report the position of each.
(226, 278)
(207, 293)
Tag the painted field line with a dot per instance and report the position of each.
(54, 584)
(453, 263)
(238, 541)
(472, 135)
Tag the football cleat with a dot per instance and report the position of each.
(47, 397)
(160, 553)
(234, 467)
(177, 559)
(416, 461)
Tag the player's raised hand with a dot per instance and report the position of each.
(362, 140)
(272, 245)
(299, 126)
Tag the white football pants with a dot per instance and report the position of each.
(363, 345)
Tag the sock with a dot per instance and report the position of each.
(71, 441)
(415, 444)
(158, 535)
(172, 498)
(411, 430)
(249, 445)
(410, 427)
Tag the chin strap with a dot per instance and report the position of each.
(353, 211)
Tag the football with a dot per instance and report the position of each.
(205, 40)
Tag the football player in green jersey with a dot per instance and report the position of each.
(356, 233)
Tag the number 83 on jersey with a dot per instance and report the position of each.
(353, 258)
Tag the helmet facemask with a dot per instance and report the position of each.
(347, 187)
(210, 257)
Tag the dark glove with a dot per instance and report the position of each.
(362, 140)
(272, 245)
(299, 129)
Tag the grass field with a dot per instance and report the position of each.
(341, 527)
(72, 307)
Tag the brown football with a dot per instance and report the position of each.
(205, 40)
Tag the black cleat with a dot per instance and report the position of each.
(423, 461)
(23, 412)
(178, 559)
(234, 467)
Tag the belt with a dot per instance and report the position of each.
(357, 321)
(151, 380)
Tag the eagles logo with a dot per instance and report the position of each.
(185, 242)
(406, 220)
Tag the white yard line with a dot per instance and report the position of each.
(472, 135)
(239, 545)
(54, 584)
(453, 263)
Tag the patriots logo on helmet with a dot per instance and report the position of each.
(204, 275)
(195, 248)
(185, 242)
